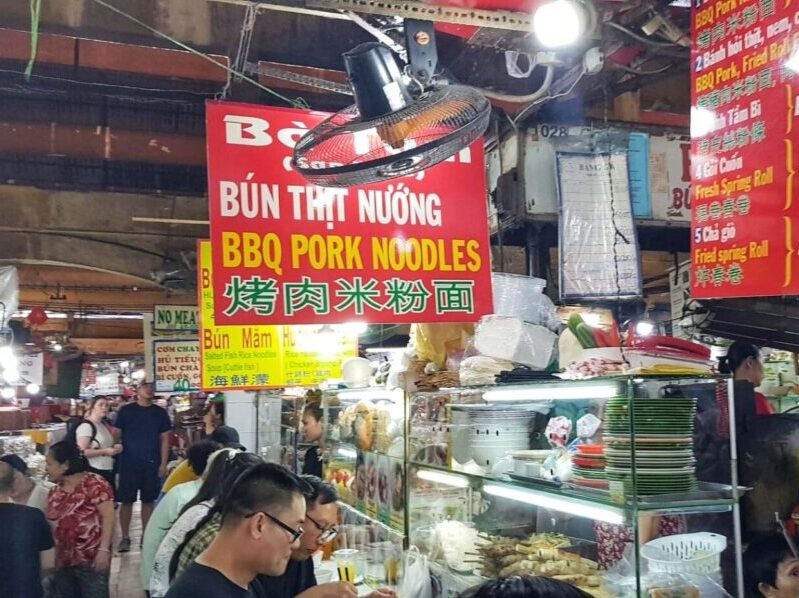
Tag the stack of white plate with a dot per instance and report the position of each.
(495, 432)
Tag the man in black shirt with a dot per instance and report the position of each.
(24, 538)
(321, 519)
(261, 525)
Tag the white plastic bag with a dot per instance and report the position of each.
(416, 576)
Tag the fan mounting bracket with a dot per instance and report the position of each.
(420, 42)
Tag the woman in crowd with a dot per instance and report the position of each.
(81, 509)
(26, 491)
(771, 569)
(224, 467)
(524, 587)
(743, 362)
(96, 440)
(313, 430)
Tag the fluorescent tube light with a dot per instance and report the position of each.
(556, 503)
(374, 394)
(348, 453)
(543, 393)
(447, 479)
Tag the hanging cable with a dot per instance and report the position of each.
(36, 12)
(547, 98)
(297, 102)
(640, 38)
(243, 50)
(635, 71)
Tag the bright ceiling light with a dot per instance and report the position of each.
(644, 328)
(793, 62)
(11, 375)
(124, 365)
(57, 347)
(352, 328)
(138, 375)
(7, 357)
(703, 121)
(8, 392)
(126, 380)
(556, 503)
(33, 389)
(559, 23)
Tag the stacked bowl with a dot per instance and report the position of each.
(495, 432)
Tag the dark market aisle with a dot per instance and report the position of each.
(125, 582)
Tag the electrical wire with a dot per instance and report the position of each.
(531, 97)
(640, 38)
(642, 72)
(36, 12)
(113, 85)
(526, 110)
(296, 103)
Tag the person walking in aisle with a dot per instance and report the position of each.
(26, 490)
(262, 522)
(171, 505)
(25, 542)
(81, 509)
(144, 429)
(96, 440)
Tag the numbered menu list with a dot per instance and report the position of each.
(744, 129)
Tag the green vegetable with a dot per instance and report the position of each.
(574, 321)
(585, 335)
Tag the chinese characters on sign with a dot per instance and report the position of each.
(743, 162)
(262, 356)
(285, 252)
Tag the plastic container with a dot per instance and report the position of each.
(690, 553)
(523, 297)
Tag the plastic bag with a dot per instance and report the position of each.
(512, 339)
(9, 293)
(523, 297)
(416, 575)
(434, 342)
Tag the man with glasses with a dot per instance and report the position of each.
(321, 519)
(262, 523)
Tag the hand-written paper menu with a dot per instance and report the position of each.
(744, 132)
(599, 255)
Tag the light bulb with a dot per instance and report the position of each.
(32, 389)
(126, 380)
(57, 347)
(8, 392)
(644, 328)
(124, 365)
(703, 122)
(7, 356)
(558, 23)
(793, 62)
(11, 376)
(138, 375)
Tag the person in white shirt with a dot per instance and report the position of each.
(96, 440)
(170, 506)
(26, 490)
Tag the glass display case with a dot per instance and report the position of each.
(364, 454)
(623, 486)
(279, 437)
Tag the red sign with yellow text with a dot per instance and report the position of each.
(745, 128)
(414, 249)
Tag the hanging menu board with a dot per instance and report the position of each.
(599, 255)
(744, 125)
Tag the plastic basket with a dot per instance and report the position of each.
(682, 548)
